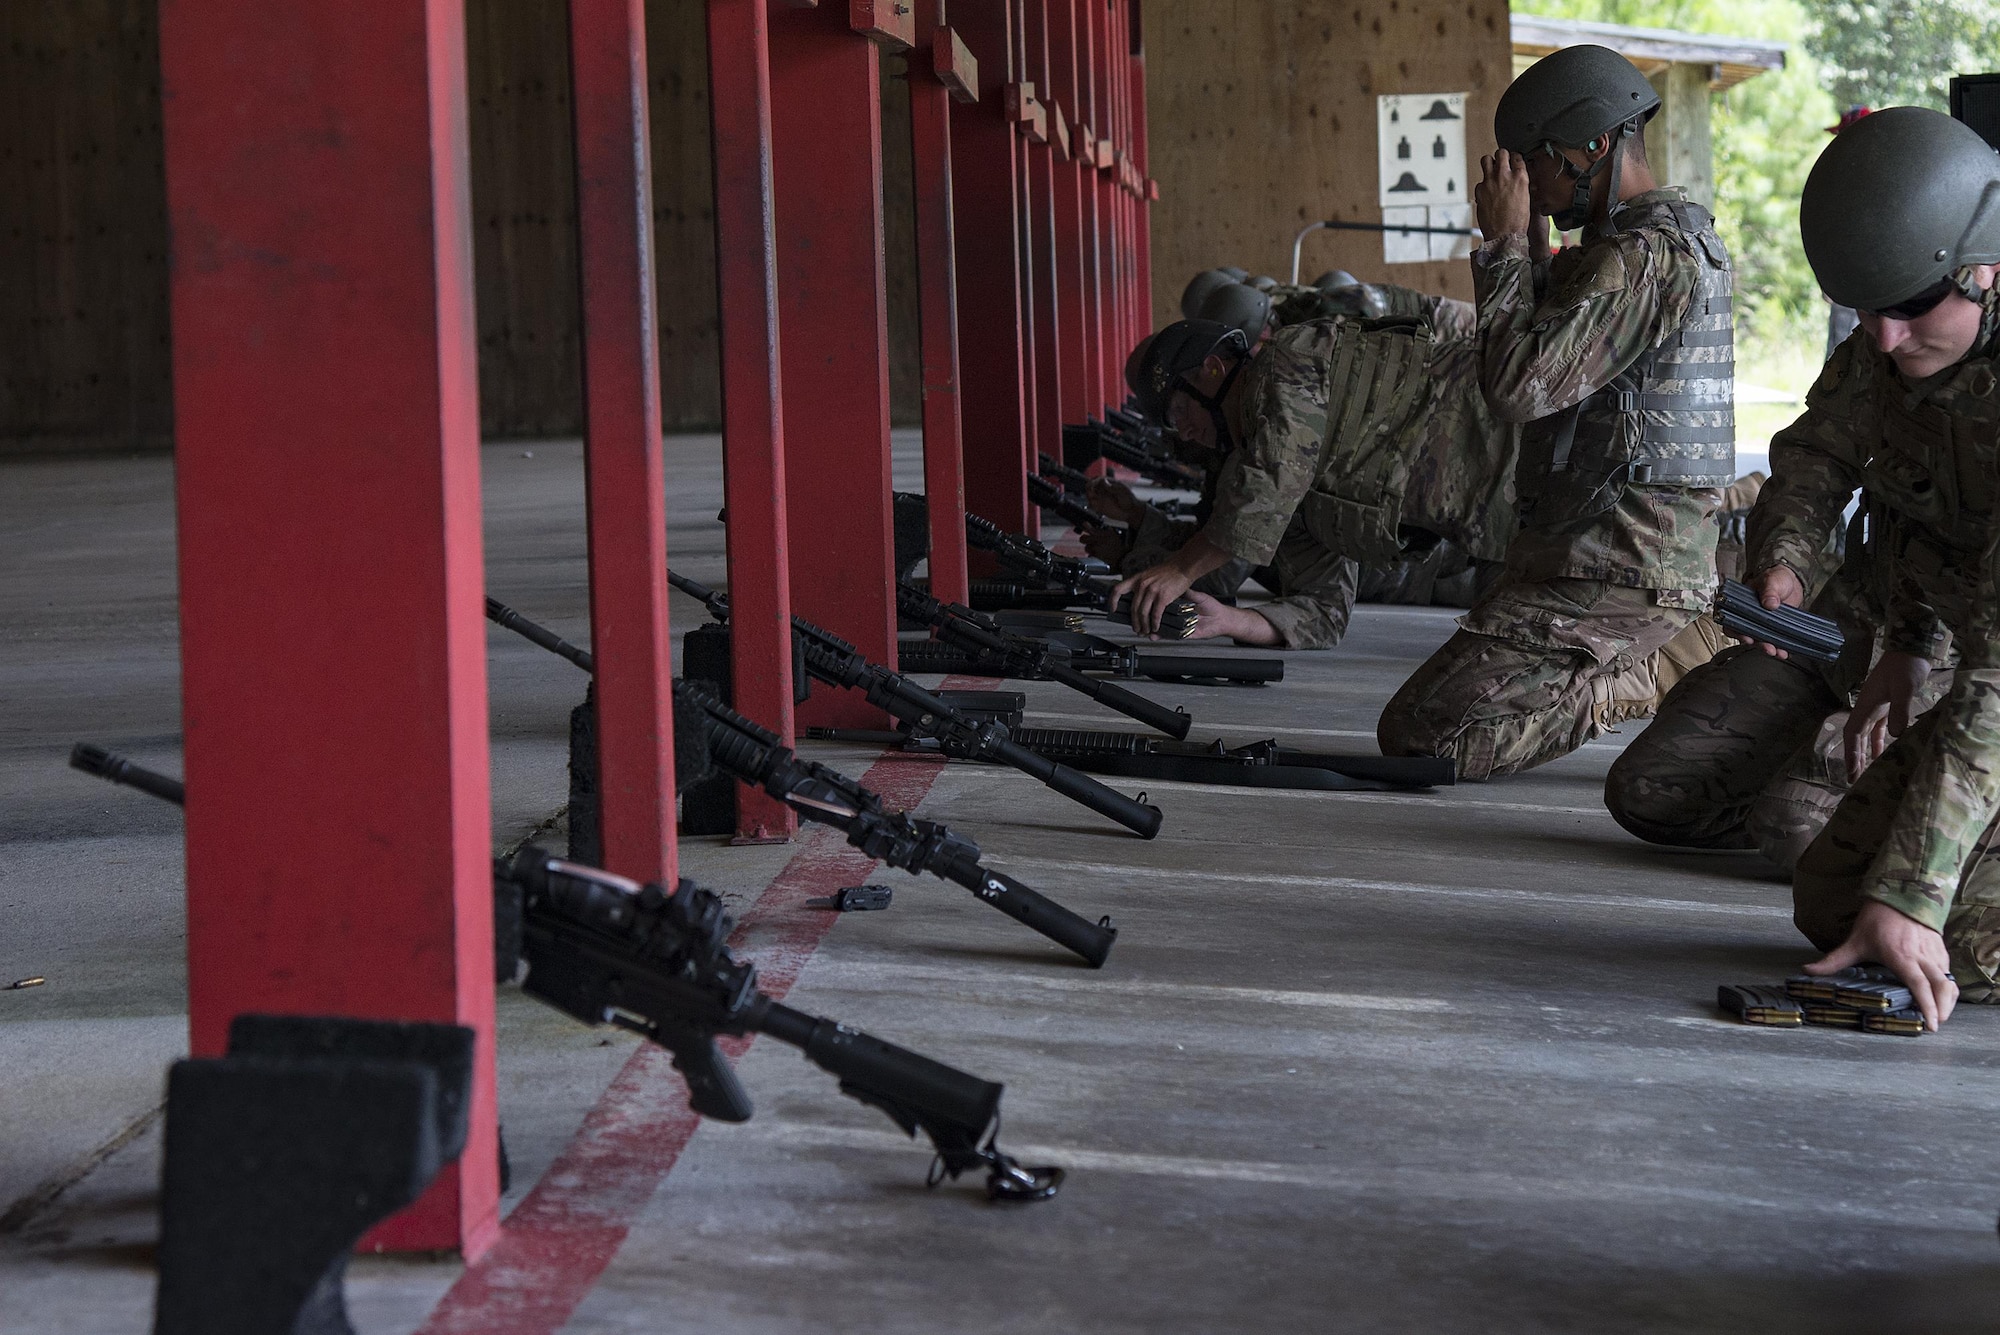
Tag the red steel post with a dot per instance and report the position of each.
(826, 138)
(625, 490)
(1104, 323)
(753, 419)
(1072, 273)
(1142, 238)
(936, 59)
(992, 342)
(1024, 235)
(333, 648)
(1042, 271)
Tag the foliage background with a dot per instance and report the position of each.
(1768, 131)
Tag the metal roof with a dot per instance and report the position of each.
(1730, 60)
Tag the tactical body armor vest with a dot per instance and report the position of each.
(1377, 387)
(1669, 418)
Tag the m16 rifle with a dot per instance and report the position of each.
(830, 659)
(605, 949)
(1064, 581)
(1006, 655)
(1093, 653)
(1049, 496)
(1072, 480)
(758, 757)
(709, 736)
(1084, 445)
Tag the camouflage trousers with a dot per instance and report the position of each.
(1749, 751)
(1443, 576)
(1539, 669)
(1828, 888)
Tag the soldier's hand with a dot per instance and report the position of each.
(1502, 197)
(1883, 708)
(1883, 935)
(1775, 588)
(1114, 500)
(1151, 592)
(1106, 544)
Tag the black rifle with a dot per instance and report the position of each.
(758, 757)
(1091, 653)
(1005, 655)
(1740, 612)
(837, 663)
(1072, 480)
(1262, 764)
(605, 949)
(1094, 440)
(1049, 496)
(1064, 581)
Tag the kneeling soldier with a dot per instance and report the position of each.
(1618, 357)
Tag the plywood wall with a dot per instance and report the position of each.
(1262, 119)
(84, 353)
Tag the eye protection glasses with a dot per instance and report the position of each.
(1920, 305)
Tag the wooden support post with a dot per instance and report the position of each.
(986, 145)
(939, 70)
(753, 418)
(826, 138)
(333, 647)
(625, 485)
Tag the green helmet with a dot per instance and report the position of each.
(1896, 204)
(1335, 279)
(1236, 275)
(1263, 282)
(1570, 97)
(1241, 307)
(1156, 366)
(1198, 289)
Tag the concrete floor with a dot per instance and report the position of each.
(1358, 1063)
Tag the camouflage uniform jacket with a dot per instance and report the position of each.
(1448, 317)
(1926, 456)
(1556, 334)
(1296, 450)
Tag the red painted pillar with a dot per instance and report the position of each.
(826, 139)
(1072, 272)
(1143, 191)
(1024, 233)
(333, 648)
(753, 418)
(1042, 271)
(992, 342)
(1104, 323)
(625, 489)
(941, 68)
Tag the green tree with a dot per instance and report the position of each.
(1888, 53)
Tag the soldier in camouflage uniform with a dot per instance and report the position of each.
(1618, 357)
(1899, 222)
(1342, 440)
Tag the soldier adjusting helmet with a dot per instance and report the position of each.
(1241, 307)
(1199, 288)
(1578, 97)
(1896, 205)
(1157, 366)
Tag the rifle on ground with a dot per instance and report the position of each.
(1072, 480)
(1091, 653)
(758, 757)
(1263, 764)
(1064, 581)
(1049, 496)
(1742, 613)
(1005, 655)
(1094, 440)
(837, 663)
(602, 948)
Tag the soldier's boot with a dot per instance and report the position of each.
(1788, 815)
(1734, 517)
(1635, 691)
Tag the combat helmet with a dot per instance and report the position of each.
(1573, 98)
(1335, 279)
(1236, 274)
(1896, 205)
(1155, 369)
(1241, 307)
(1199, 287)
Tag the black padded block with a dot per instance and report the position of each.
(275, 1167)
(586, 834)
(445, 1048)
(708, 807)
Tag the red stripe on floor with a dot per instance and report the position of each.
(563, 1234)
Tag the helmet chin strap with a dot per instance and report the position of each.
(1578, 213)
(1213, 402)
